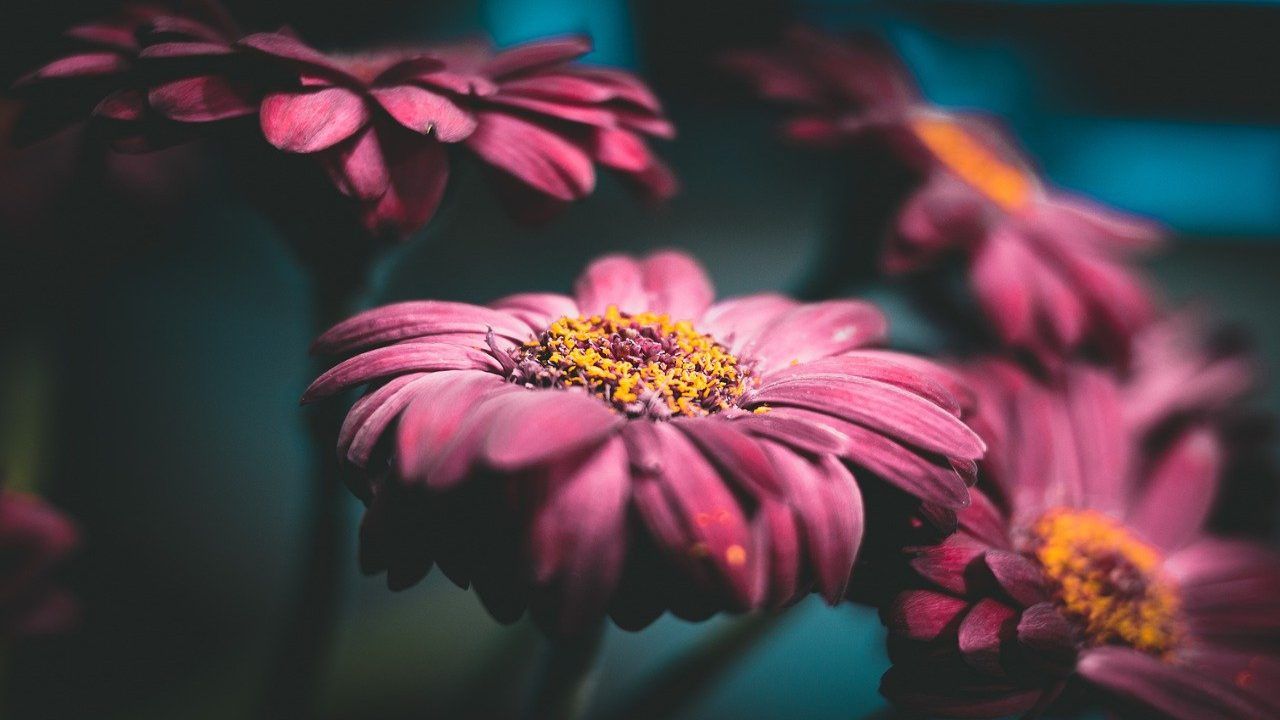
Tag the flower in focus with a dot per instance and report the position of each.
(634, 448)
(1087, 566)
(34, 541)
(1051, 273)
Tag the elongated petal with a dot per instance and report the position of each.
(739, 456)
(310, 120)
(952, 564)
(86, 65)
(534, 426)
(676, 284)
(925, 615)
(1180, 490)
(370, 415)
(537, 310)
(386, 361)
(286, 47)
(534, 55)
(422, 318)
(815, 331)
(435, 413)
(534, 155)
(875, 368)
(204, 98)
(358, 168)
(611, 280)
(983, 631)
(1166, 688)
(425, 112)
(737, 322)
(419, 172)
(1017, 576)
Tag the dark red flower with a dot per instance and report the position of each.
(35, 540)
(634, 448)
(1051, 272)
(1087, 566)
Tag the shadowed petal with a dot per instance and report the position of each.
(311, 120)
(536, 156)
(951, 564)
(76, 66)
(982, 632)
(1166, 688)
(370, 415)
(358, 168)
(924, 615)
(1018, 576)
(1180, 491)
(534, 55)
(407, 357)
(422, 318)
(1046, 632)
(738, 455)
(203, 98)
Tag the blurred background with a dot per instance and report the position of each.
(152, 367)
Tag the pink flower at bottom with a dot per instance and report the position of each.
(634, 448)
(1087, 568)
(34, 541)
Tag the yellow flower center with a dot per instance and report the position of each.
(1107, 580)
(643, 365)
(974, 161)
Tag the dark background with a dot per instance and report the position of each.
(152, 365)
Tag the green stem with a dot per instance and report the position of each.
(563, 687)
(690, 675)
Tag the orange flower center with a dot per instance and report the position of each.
(974, 161)
(643, 364)
(1107, 580)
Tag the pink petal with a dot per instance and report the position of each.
(458, 83)
(874, 368)
(801, 433)
(622, 85)
(370, 415)
(287, 47)
(890, 410)
(562, 87)
(86, 65)
(203, 98)
(434, 418)
(166, 50)
(611, 280)
(1043, 630)
(406, 357)
(816, 330)
(310, 120)
(1017, 576)
(776, 530)
(536, 156)
(424, 111)
(357, 167)
(419, 172)
(1180, 490)
(951, 564)
(534, 426)
(537, 310)
(982, 632)
(1167, 688)
(736, 322)
(542, 53)
(618, 149)
(416, 319)
(924, 615)
(948, 378)
(123, 106)
(559, 112)
(1002, 281)
(1097, 424)
(676, 284)
(578, 535)
(739, 456)
(115, 37)
(984, 521)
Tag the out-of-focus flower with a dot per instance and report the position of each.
(1051, 272)
(635, 448)
(1184, 370)
(35, 540)
(1087, 566)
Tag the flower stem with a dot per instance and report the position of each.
(563, 686)
(293, 684)
(685, 679)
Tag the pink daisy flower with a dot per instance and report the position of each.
(1051, 273)
(35, 540)
(634, 447)
(1088, 567)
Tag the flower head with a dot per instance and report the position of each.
(35, 540)
(635, 448)
(1051, 273)
(1086, 565)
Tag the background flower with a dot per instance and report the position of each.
(635, 448)
(1087, 566)
(35, 540)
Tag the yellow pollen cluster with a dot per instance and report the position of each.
(975, 163)
(1107, 580)
(637, 361)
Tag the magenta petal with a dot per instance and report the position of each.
(611, 280)
(1017, 576)
(580, 114)
(415, 319)
(800, 433)
(984, 521)
(884, 408)
(537, 310)
(76, 66)
(814, 331)
(879, 369)
(166, 50)
(982, 632)
(531, 56)
(1002, 281)
(1167, 688)
(419, 172)
(534, 426)
(777, 531)
(423, 111)
(924, 615)
(435, 421)
(357, 167)
(621, 84)
(676, 284)
(370, 415)
(736, 453)
(204, 98)
(1180, 491)
(309, 120)
(951, 564)
(534, 155)
(578, 535)
(736, 322)
(105, 34)
(922, 692)
(1097, 422)
(396, 359)
(123, 106)
(287, 47)
(1230, 589)
(1052, 639)
(947, 378)
(563, 87)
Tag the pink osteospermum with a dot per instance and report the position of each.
(1051, 273)
(35, 540)
(635, 448)
(1087, 567)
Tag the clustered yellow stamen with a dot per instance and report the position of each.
(642, 364)
(974, 162)
(1107, 580)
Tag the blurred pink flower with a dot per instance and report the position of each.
(1051, 272)
(35, 540)
(635, 448)
(1086, 566)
